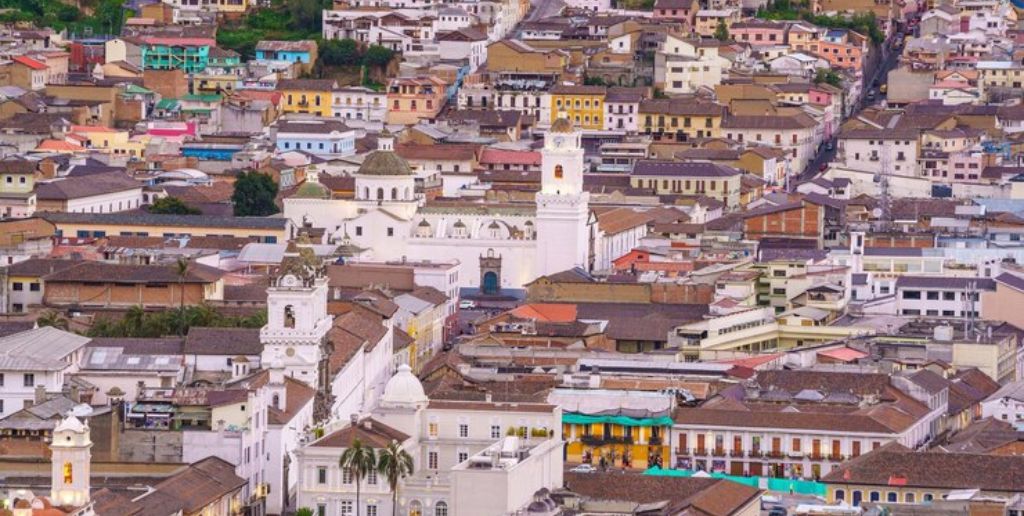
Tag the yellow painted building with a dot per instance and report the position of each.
(310, 96)
(95, 225)
(681, 121)
(111, 141)
(620, 440)
(581, 105)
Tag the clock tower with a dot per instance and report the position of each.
(563, 211)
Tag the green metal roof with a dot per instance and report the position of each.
(211, 97)
(137, 90)
(166, 104)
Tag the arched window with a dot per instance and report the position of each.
(380, 194)
(289, 317)
(276, 401)
(441, 509)
(366, 192)
(68, 474)
(908, 497)
(394, 194)
(559, 172)
(891, 497)
(415, 508)
(840, 495)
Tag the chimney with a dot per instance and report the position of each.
(40, 395)
(354, 418)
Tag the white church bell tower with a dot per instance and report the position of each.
(297, 318)
(70, 462)
(563, 237)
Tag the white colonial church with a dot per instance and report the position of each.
(499, 245)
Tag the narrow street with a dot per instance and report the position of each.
(880, 76)
(541, 9)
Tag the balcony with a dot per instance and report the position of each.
(836, 458)
(594, 440)
(795, 454)
(718, 452)
(873, 157)
(756, 454)
(736, 453)
(700, 451)
(774, 454)
(682, 451)
(816, 456)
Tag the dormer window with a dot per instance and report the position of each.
(558, 172)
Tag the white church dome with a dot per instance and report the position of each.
(404, 388)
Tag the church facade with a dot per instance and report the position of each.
(498, 245)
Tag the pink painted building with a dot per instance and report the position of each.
(759, 33)
(684, 11)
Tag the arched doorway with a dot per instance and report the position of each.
(856, 498)
(490, 283)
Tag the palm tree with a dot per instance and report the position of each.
(359, 460)
(394, 463)
(54, 319)
(134, 321)
(182, 270)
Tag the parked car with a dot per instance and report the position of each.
(467, 304)
(584, 468)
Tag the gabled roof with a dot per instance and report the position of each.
(29, 62)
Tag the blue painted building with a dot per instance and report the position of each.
(304, 51)
(210, 151)
(321, 137)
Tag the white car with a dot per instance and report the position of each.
(584, 468)
(467, 304)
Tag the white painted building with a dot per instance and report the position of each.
(871, 150)
(465, 462)
(496, 245)
(36, 359)
(941, 296)
(1006, 404)
(359, 103)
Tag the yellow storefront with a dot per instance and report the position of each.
(616, 441)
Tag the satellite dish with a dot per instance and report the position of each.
(877, 212)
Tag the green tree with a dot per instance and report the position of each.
(594, 81)
(394, 464)
(378, 56)
(306, 14)
(254, 195)
(304, 511)
(340, 52)
(359, 459)
(722, 32)
(172, 206)
(54, 319)
(828, 76)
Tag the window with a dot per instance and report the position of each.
(911, 294)
(2, 383)
(441, 509)
(432, 460)
(346, 476)
(321, 509)
(371, 477)
(462, 456)
(432, 429)
(495, 429)
(932, 296)
(347, 508)
(891, 497)
(18, 286)
(359, 230)
(463, 430)
(874, 496)
(371, 510)
(321, 475)
(29, 380)
(391, 232)
(559, 172)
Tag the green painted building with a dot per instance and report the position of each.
(191, 55)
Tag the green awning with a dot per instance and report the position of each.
(779, 485)
(582, 419)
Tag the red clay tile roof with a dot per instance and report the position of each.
(370, 431)
(932, 470)
(297, 395)
(511, 157)
(29, 62)
(550, 312)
